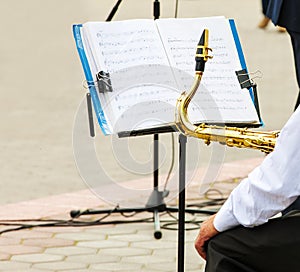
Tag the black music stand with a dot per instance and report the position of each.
(155, 203)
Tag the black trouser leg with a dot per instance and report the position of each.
(295, 38)
(272, 247)
(264, 4)
(297, 101)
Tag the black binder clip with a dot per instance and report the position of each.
(246, 82)
(103, 82)
(244, 79)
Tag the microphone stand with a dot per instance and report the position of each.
(113, 11)
(156, 9)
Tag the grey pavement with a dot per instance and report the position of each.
(41, 83)
(105, 247)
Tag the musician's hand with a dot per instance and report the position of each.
(207, 231)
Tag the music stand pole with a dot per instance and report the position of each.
(181, 204)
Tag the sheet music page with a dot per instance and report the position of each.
(220, 96)
(121, 44)
(142, 80)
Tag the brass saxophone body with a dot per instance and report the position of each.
(230, 136)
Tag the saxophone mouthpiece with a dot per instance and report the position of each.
(202, 52)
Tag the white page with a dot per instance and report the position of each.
(220, 96)
(142, 80)
(118, 45)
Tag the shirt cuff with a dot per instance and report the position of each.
(225, 219)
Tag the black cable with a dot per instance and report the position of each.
(213, 190)
(211, 202)
(72, 223)
(19, 224)
(168, 226)
(128, 215)
(172, 162)
(68, 223)
(216, 202)
(172, 134)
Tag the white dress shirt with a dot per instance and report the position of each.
(269, 188)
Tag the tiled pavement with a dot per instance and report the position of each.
(113, 247)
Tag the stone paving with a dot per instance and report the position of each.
(112, 247)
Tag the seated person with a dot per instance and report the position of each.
(243, 236)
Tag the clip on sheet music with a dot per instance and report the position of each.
(103, 82)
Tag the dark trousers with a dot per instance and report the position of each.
(295, 38)
(264, 4)
(272, 247)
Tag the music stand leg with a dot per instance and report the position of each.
(157, 231)
(181, 206)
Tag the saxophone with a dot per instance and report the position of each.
(230, 136)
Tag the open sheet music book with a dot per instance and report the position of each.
(149, 63)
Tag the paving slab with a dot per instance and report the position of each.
(111, 247)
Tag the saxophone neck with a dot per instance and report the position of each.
(182, 121)
(201, 58)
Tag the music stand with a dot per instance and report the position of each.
(155, 203)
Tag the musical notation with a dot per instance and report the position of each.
(152, 62)
(118, 50)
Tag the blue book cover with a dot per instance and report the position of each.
(89, 79)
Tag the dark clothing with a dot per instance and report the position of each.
(286, 13)
(272, 247)
(264, 4)
(289, 16)
(295, 38)
(273, 10)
